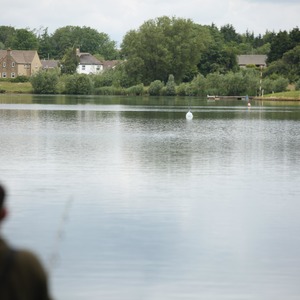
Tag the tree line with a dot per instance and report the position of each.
(166, 46)
(54, 46)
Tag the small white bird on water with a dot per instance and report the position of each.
(189, 115)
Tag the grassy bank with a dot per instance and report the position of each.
(289, 95)
(15, 87)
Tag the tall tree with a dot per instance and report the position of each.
(217, 58)
(85, 38)
(6, 34)
(164, 46)
(292, 59)
(280, 44)
(45, 45)
(69, 61)
(295, 37)
(24, 39)
(229, 34)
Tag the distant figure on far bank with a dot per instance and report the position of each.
(22, 277)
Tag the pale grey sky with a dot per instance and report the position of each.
(117, 17)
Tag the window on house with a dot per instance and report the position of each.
(4, 64)
(13, 75)
(13, 64)
(98, 68)
(4, 74)
(83, 68)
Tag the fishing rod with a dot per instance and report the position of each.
(59, 235)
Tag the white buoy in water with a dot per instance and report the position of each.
(189, 115)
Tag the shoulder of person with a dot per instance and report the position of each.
(29, 260)
(32, 271)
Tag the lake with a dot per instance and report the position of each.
(124, 199)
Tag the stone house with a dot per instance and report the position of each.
(14, 63)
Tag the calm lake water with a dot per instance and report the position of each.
(124, 199)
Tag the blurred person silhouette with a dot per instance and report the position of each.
(22, 276)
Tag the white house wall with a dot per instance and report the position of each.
(89, 69)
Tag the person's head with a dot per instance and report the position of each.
(2, 207)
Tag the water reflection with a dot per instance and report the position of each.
(162, 208)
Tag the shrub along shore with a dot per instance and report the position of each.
(242, 83)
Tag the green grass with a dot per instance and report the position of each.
(15, 87)
(293, 95)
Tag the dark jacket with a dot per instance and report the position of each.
(22, 276)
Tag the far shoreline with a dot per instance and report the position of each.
(276, 99)
(253, 98)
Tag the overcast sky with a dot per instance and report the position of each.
(117, 17)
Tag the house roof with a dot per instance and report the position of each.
(252, 60)
(49, 63)
(20, 56)
(88, 59)
(110, 64)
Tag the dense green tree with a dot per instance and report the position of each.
(136, 90)
(264, 49)
(133, 68)
(171, 86)
(44, 82)
(69, 61)
(279, 45)
(107, 48)
(85, 38)
(217, 36)
(214, 84)
(84, 84)
(230, 35)
(106, 78)
(164, 46)
(6, 34)
(252, 78)
(276, 68)
(78, 84)
(23, 39)
(121, 78)
(197, 87)
(291, 59)
(217, 58)
(116, 77)
(248, 37)
(258, 41)
(297, 85)
(295, 37)
(155, 88)
(46, 49)
(235, 84)
(269, 36)
(270, 85)
(288, 66)
(146, 54)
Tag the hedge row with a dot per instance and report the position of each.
(246, 82)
